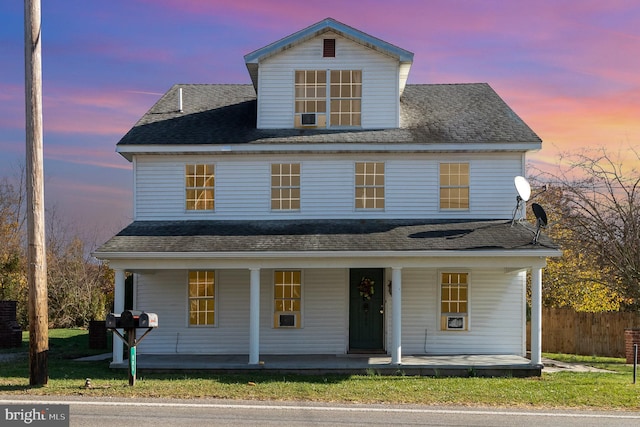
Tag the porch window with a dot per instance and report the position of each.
(287, 299)
(454, 185)
(285, 186)
(199, 186)
(454, 301)
(369, 185)
(202, 298)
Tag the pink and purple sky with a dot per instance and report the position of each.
(569, 68)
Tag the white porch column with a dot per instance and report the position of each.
(396, 319)
(254, 317)
(118, 307)
(536, 315)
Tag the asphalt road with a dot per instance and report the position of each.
(159, 413)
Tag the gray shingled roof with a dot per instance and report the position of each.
(322, 235)
(430, 114)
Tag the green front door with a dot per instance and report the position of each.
(366, 313)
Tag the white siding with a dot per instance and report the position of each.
(324, 321)
(243, 187)
(324, 324)
(496, 314)
(165, 293)
(380, 97)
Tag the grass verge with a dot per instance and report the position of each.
(562, 389)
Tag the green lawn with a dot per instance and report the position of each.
(562, 389)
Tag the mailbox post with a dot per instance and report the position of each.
(130, 321)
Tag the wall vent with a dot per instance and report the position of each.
(329, 48)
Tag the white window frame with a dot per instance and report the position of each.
(356, 186)
(215, 299)
(186, 188)
(467, 315)
(299, 187)
(323, 119)
(299, 323)
(440, 186)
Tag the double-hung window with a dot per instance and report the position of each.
(454, 185)
(202, 300)
(454, 301)
(369, 187)
(346, 98)
(199, 187)
(285, 186)
(311, 98)
(287, 298)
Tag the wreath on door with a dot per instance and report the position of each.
(366, 288)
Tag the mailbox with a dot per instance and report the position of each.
(148, 320)
(130, 319)
(113, 321)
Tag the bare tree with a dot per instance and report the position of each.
(601, 206)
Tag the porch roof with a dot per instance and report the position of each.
(328, 235)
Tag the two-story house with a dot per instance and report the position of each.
(329, 208)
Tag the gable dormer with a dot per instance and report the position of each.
(329, 76)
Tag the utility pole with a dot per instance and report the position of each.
(36, 251)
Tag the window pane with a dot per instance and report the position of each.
(285, 186)
(201, 297)
(369, 191)
(287, 292)
(454, 185)
(199, 185)
(454, 293)
(335, 91)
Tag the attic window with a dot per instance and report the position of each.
(329, 48)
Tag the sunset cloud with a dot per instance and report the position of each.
(568, 68)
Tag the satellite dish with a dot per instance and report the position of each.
(524, 193)
(522, 187)
(540, 214)
(541, 220)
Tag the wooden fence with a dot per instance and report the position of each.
(589, 334)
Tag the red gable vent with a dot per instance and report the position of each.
(329, 48)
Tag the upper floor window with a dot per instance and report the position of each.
(346, 97)
(454, 185)
(369, 185)
(454, 301)
(202, 291)
(285, 186)
(338, 91)
(311, 91)
(287, 298)
(199, 187)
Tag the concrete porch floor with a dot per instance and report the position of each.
(418, 365)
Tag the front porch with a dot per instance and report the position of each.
(348, 364)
